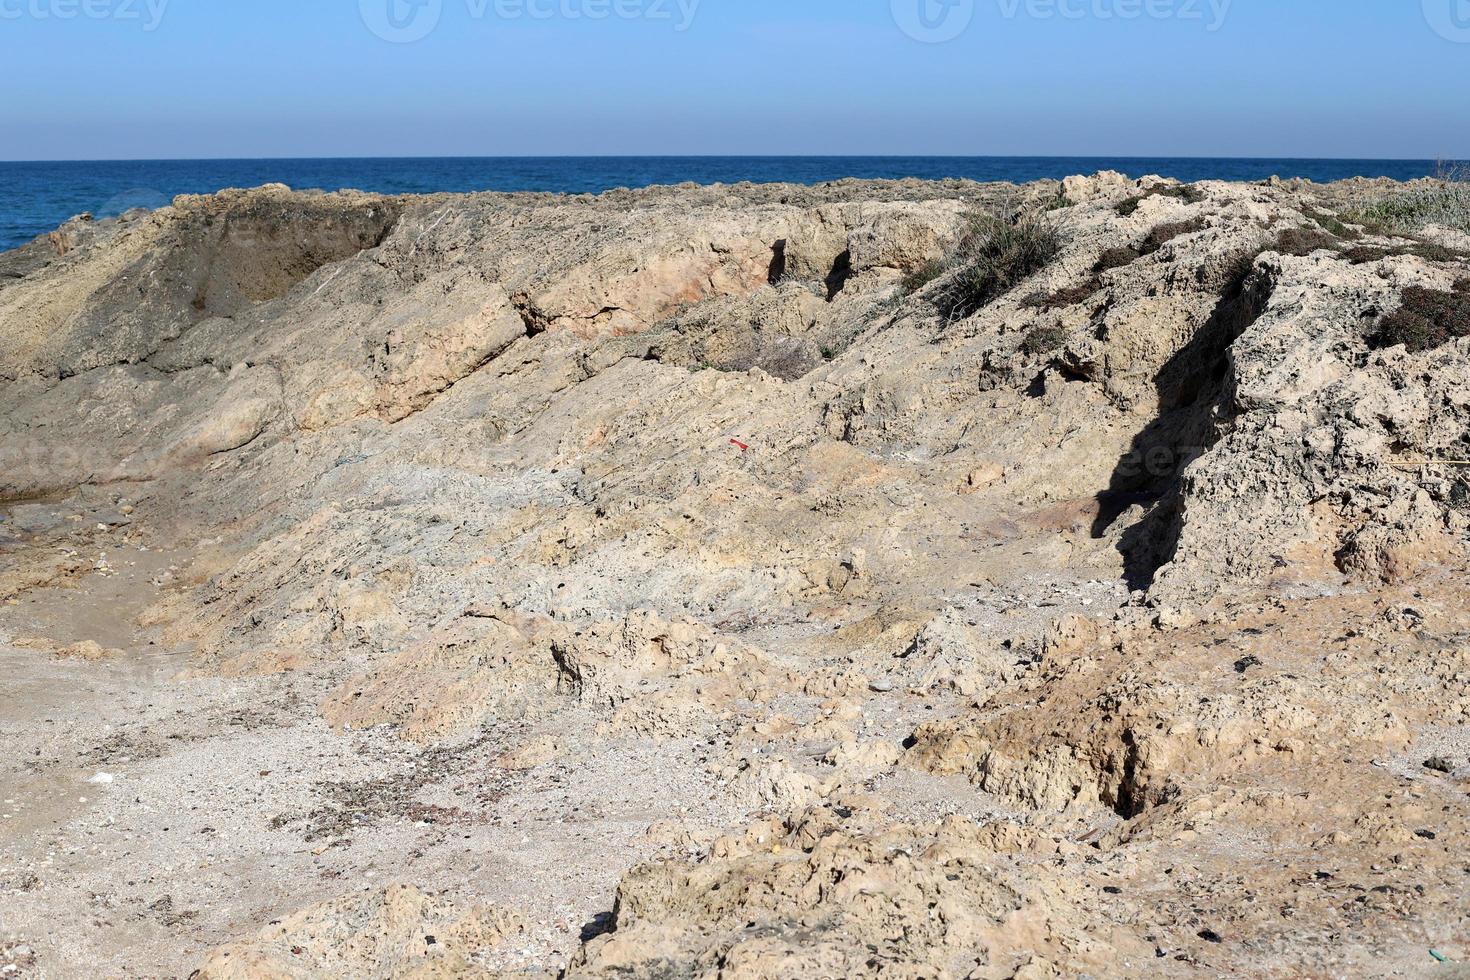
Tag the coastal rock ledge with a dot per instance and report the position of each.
(876, 579)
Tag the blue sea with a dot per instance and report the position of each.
(35, 197)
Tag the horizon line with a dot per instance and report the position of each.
(739, 156)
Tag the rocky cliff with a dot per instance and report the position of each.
(876, 579)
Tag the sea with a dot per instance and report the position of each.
(35, 197)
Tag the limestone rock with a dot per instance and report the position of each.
(390, 933)
(1013, 640)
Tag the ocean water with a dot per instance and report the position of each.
(35, 197)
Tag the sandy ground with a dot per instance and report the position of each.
(148, 816)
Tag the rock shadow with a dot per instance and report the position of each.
(1196, 389)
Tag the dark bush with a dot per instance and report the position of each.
(1427, 318)
(994, 258)
(1129, 207)
(1043, 340)
(1116, 258)
(1065, 297)
(1187, 193)
(1415, 333)
(1303, 241)
(1166, 233)
(1360, 254)
(1240, 267)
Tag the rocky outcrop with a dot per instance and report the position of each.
(991, 622)
(835, 891)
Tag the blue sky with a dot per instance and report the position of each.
(260, 78)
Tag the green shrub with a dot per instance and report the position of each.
(918, 278)
(1427, 318)
(1447, 203)
(1434, 253)
(994, 258)
(1330, 224)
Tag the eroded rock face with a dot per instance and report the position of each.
(987, 632)
(834, 891)
(155, 276)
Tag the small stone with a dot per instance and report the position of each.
(1439, 764)
(985, 475)
(1210, 936)
(1170, 618)
(881, 687)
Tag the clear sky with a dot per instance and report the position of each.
(94, 79)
